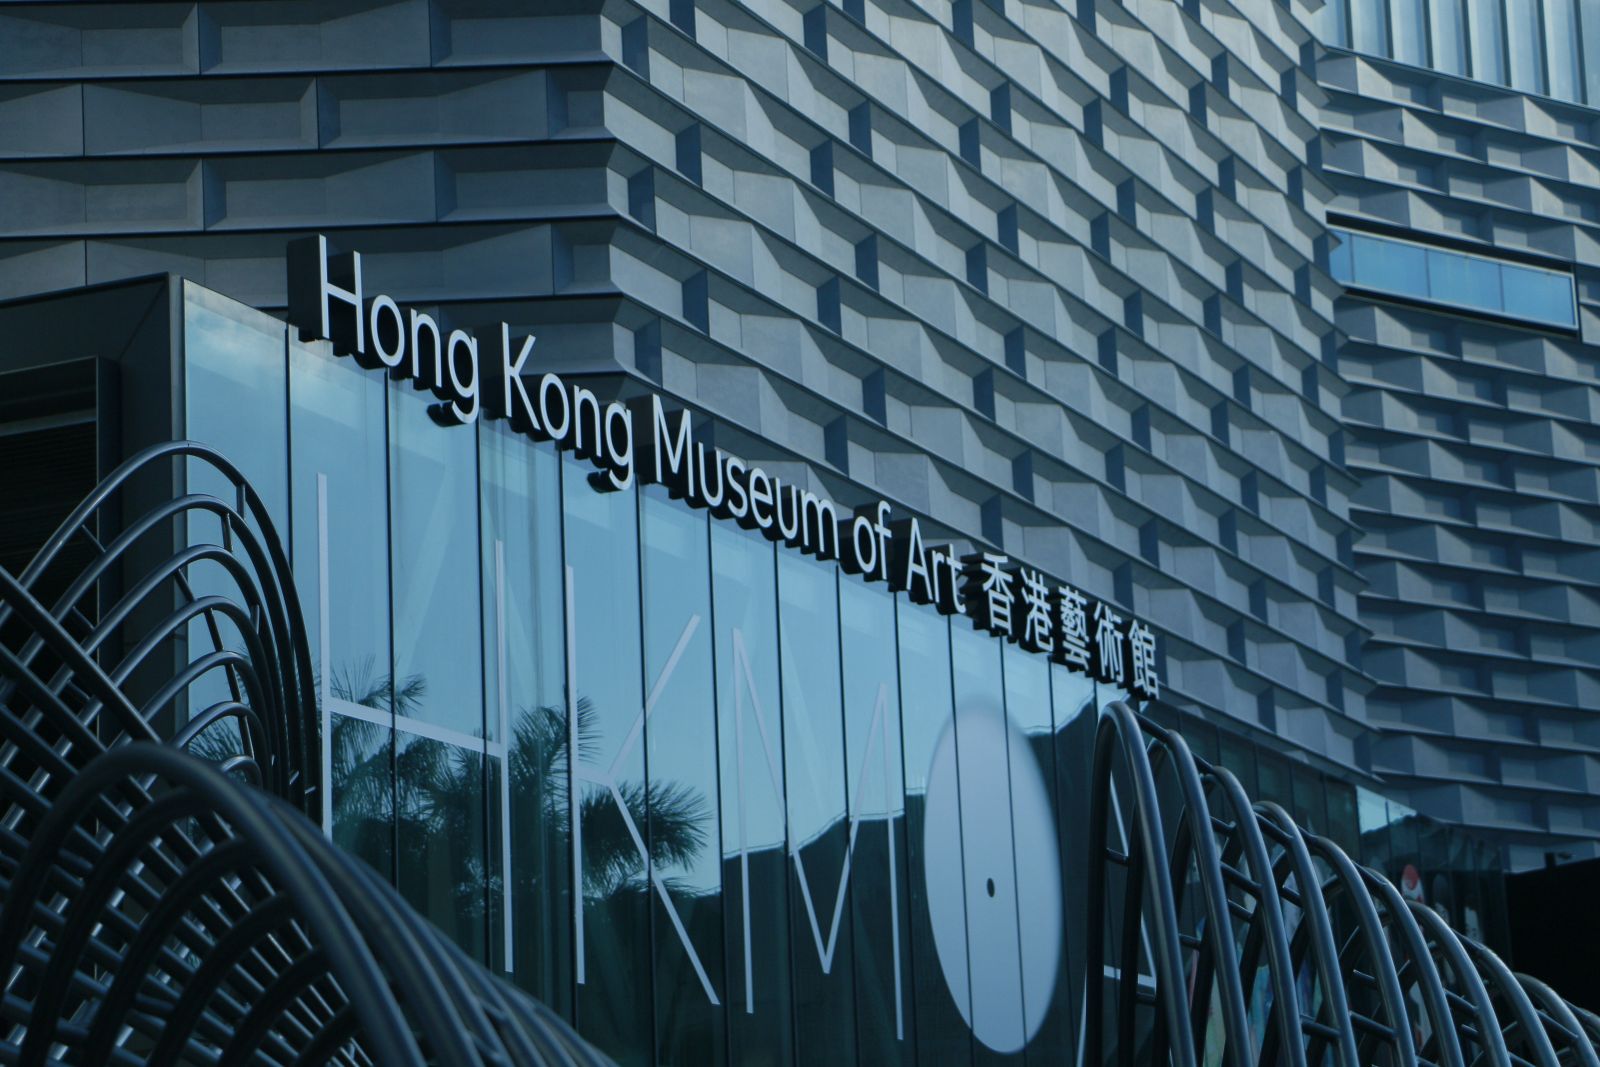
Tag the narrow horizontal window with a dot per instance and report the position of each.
(1456, 279)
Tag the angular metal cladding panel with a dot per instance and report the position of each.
(1467, 433)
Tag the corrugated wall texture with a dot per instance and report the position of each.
(1052, 275)
(1477, 449)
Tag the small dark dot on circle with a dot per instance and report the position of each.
(991, 887)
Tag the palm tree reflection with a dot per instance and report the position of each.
(438, 796)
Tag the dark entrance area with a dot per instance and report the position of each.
(1555, 928)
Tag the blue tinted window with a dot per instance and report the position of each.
(1537, 294)
(1403, 268)
(1458, 279)
(1334, 30)
(1591, 55)
(1488, 40)
(1410, 31)
(1449, 36)
(1561, 46)
(1339, 258)
(1389, 265)
(1525, 45)
(1370, 23)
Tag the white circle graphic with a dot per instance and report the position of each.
(994, 877)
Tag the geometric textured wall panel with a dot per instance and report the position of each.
(1474, 438)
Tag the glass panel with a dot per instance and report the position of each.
(337, 417)
(434, 537)
(1488, 40)
(755, 863)
(1331, 22)
(1370, 26)
(235, 400)
(938, 903)
(234, 393)
(1561, 48)
(1537, 294)
(361, 755)
(1389, 266)
(1449, 36)
(1272, 779)
(1074, 719)
(813, 741)
(983, 745)
(1238, 756)
(1339, 256)
(1343, 825)
(1469, 280)
(1034, 846)
(613, 947)
(680, 732)
(1372, 814)
(1410, 31)
(1589, 19)
(525, 677)
(439, 836)
(1310, 801)
(1525, 45)
(879, 907)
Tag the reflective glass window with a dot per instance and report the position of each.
(235, 396)
(1589, 20)
(880, 908)
(525, 680)
(1273, 779)
(1409, 31)
(680, 735)
(750, 738)
(1035, 856)
(235, 400)
(1372, 819)
(1343, 824)
(1458, 279)
(613, 947)
(1561, 48)
(337, 418)
(983, 745)
(437, 677)
(1542, 295)
(1391, 266)
(433, 479)
(1468, 280)
(1074, 718)
(1488, 40)
(1332, 23)
(938, 902)
(1239, 757)
(1310, 798)
(440, 835)
(1339, 260)
(1525, 45)
(1369, 21)
(1447, 23)
(813, 739)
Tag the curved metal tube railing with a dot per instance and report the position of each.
(157, 907)
(1230, 912)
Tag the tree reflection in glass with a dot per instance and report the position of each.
(443, 792)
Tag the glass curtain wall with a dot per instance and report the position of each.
(1548, 47)
(714, 800)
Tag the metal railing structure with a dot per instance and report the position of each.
(1230, 935)
(157, 907)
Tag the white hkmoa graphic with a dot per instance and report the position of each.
(997, 928)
